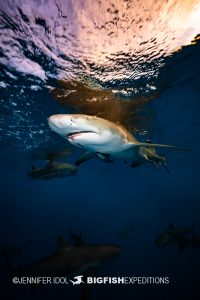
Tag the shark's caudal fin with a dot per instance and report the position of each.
(150, 145)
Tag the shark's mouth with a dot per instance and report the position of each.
(72, 136)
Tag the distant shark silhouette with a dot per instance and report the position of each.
(52, 170)
(78, 281)
(68, 260)
(179, 235)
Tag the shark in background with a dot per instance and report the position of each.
(71, 260)
(79, 261)
(180, 236)
(106, 140)
(52, 170)
(54, 166)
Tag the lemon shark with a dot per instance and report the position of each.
(70, 260)
(106, 140)
(52, 170)
(180, 235)
(80, 261)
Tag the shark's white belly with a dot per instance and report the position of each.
(103, 143)
(108, 143)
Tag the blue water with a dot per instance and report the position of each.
(103, 199)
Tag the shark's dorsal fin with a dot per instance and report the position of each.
(63, 246)
(84, 157)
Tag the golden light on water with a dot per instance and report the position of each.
(117, 38)
(139, 28)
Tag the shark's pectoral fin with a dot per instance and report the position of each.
(84, 157)
(148, 151)
(155, 159)
(154, 163)
(104, 157)
(150, 145)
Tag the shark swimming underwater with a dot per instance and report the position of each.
(106, 140)
(70, 260)
(52, 170)
(80, 261)
(178, 235)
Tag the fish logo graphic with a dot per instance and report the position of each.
(78, 280)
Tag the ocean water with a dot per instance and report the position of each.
(134, 65)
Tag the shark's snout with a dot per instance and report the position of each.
(61, 124)
(52, 123)
(59, 120)
(52, 120)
